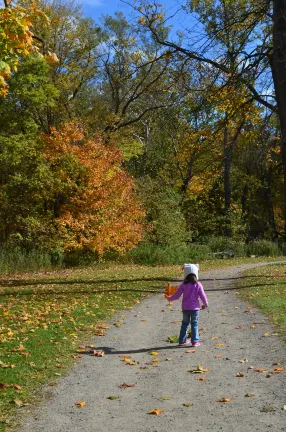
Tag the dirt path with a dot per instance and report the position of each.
(146, 328)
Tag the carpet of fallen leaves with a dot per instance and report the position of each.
(45, 316)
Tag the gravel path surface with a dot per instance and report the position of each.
(226, 349)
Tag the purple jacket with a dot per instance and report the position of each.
(191, 295)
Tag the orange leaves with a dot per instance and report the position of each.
(98, 353)
(224, 400)
(156, 412)
(100, 210)
(124, 385)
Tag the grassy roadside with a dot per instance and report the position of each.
(266, 288)
(44, 317)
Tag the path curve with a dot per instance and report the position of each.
(167, 384)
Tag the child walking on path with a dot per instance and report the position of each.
(192, 291)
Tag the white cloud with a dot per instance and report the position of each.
(94, 3)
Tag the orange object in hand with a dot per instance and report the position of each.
(170, 290)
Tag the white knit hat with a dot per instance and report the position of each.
(191, 268)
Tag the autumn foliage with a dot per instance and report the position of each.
(17, 38)
(94, 200)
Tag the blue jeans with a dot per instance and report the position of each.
(193, 317)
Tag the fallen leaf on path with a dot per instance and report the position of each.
(240, 374)
(239, 327)
(250, 395)
(156, 412)
(113, 397)
(165, 398)
(173, 339)
(199, 369)
(267, 409)
(284, 407)
(278, 370)
(80, 404)
(261, 370)
(252, 326)
(219, 344)
(99, 353)
(168, 359)
(154, 353)
(214, 337)
(187, 404)
(266, 334)
(190, 351)
(224, 399)
(124, 385)
(243, 361)
(218, 356)
(155, 359)
(201, 378)
(99, 332)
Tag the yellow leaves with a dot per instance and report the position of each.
(16, 37)
(128, 360)
(187, 404)
(240, 374)
(154, 353)
(198, 369)
(250, 395)
(80, 404)
(219, 344)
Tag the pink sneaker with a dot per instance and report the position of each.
(195, 344)
(185, 343)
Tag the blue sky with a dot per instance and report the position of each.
(95, 8)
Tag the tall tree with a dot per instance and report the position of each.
(261, 28)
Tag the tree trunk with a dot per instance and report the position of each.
(227, 188)
(279, 77)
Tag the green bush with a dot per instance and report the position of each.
(262, 248)
(168, 255)
(225, 244)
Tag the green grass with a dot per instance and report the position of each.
(266, 288)
(45, 317)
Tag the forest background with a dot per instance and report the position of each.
(129, 139)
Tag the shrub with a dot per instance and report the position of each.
(225, 244)
(168, 255)
(20, 261)
(262, 248)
